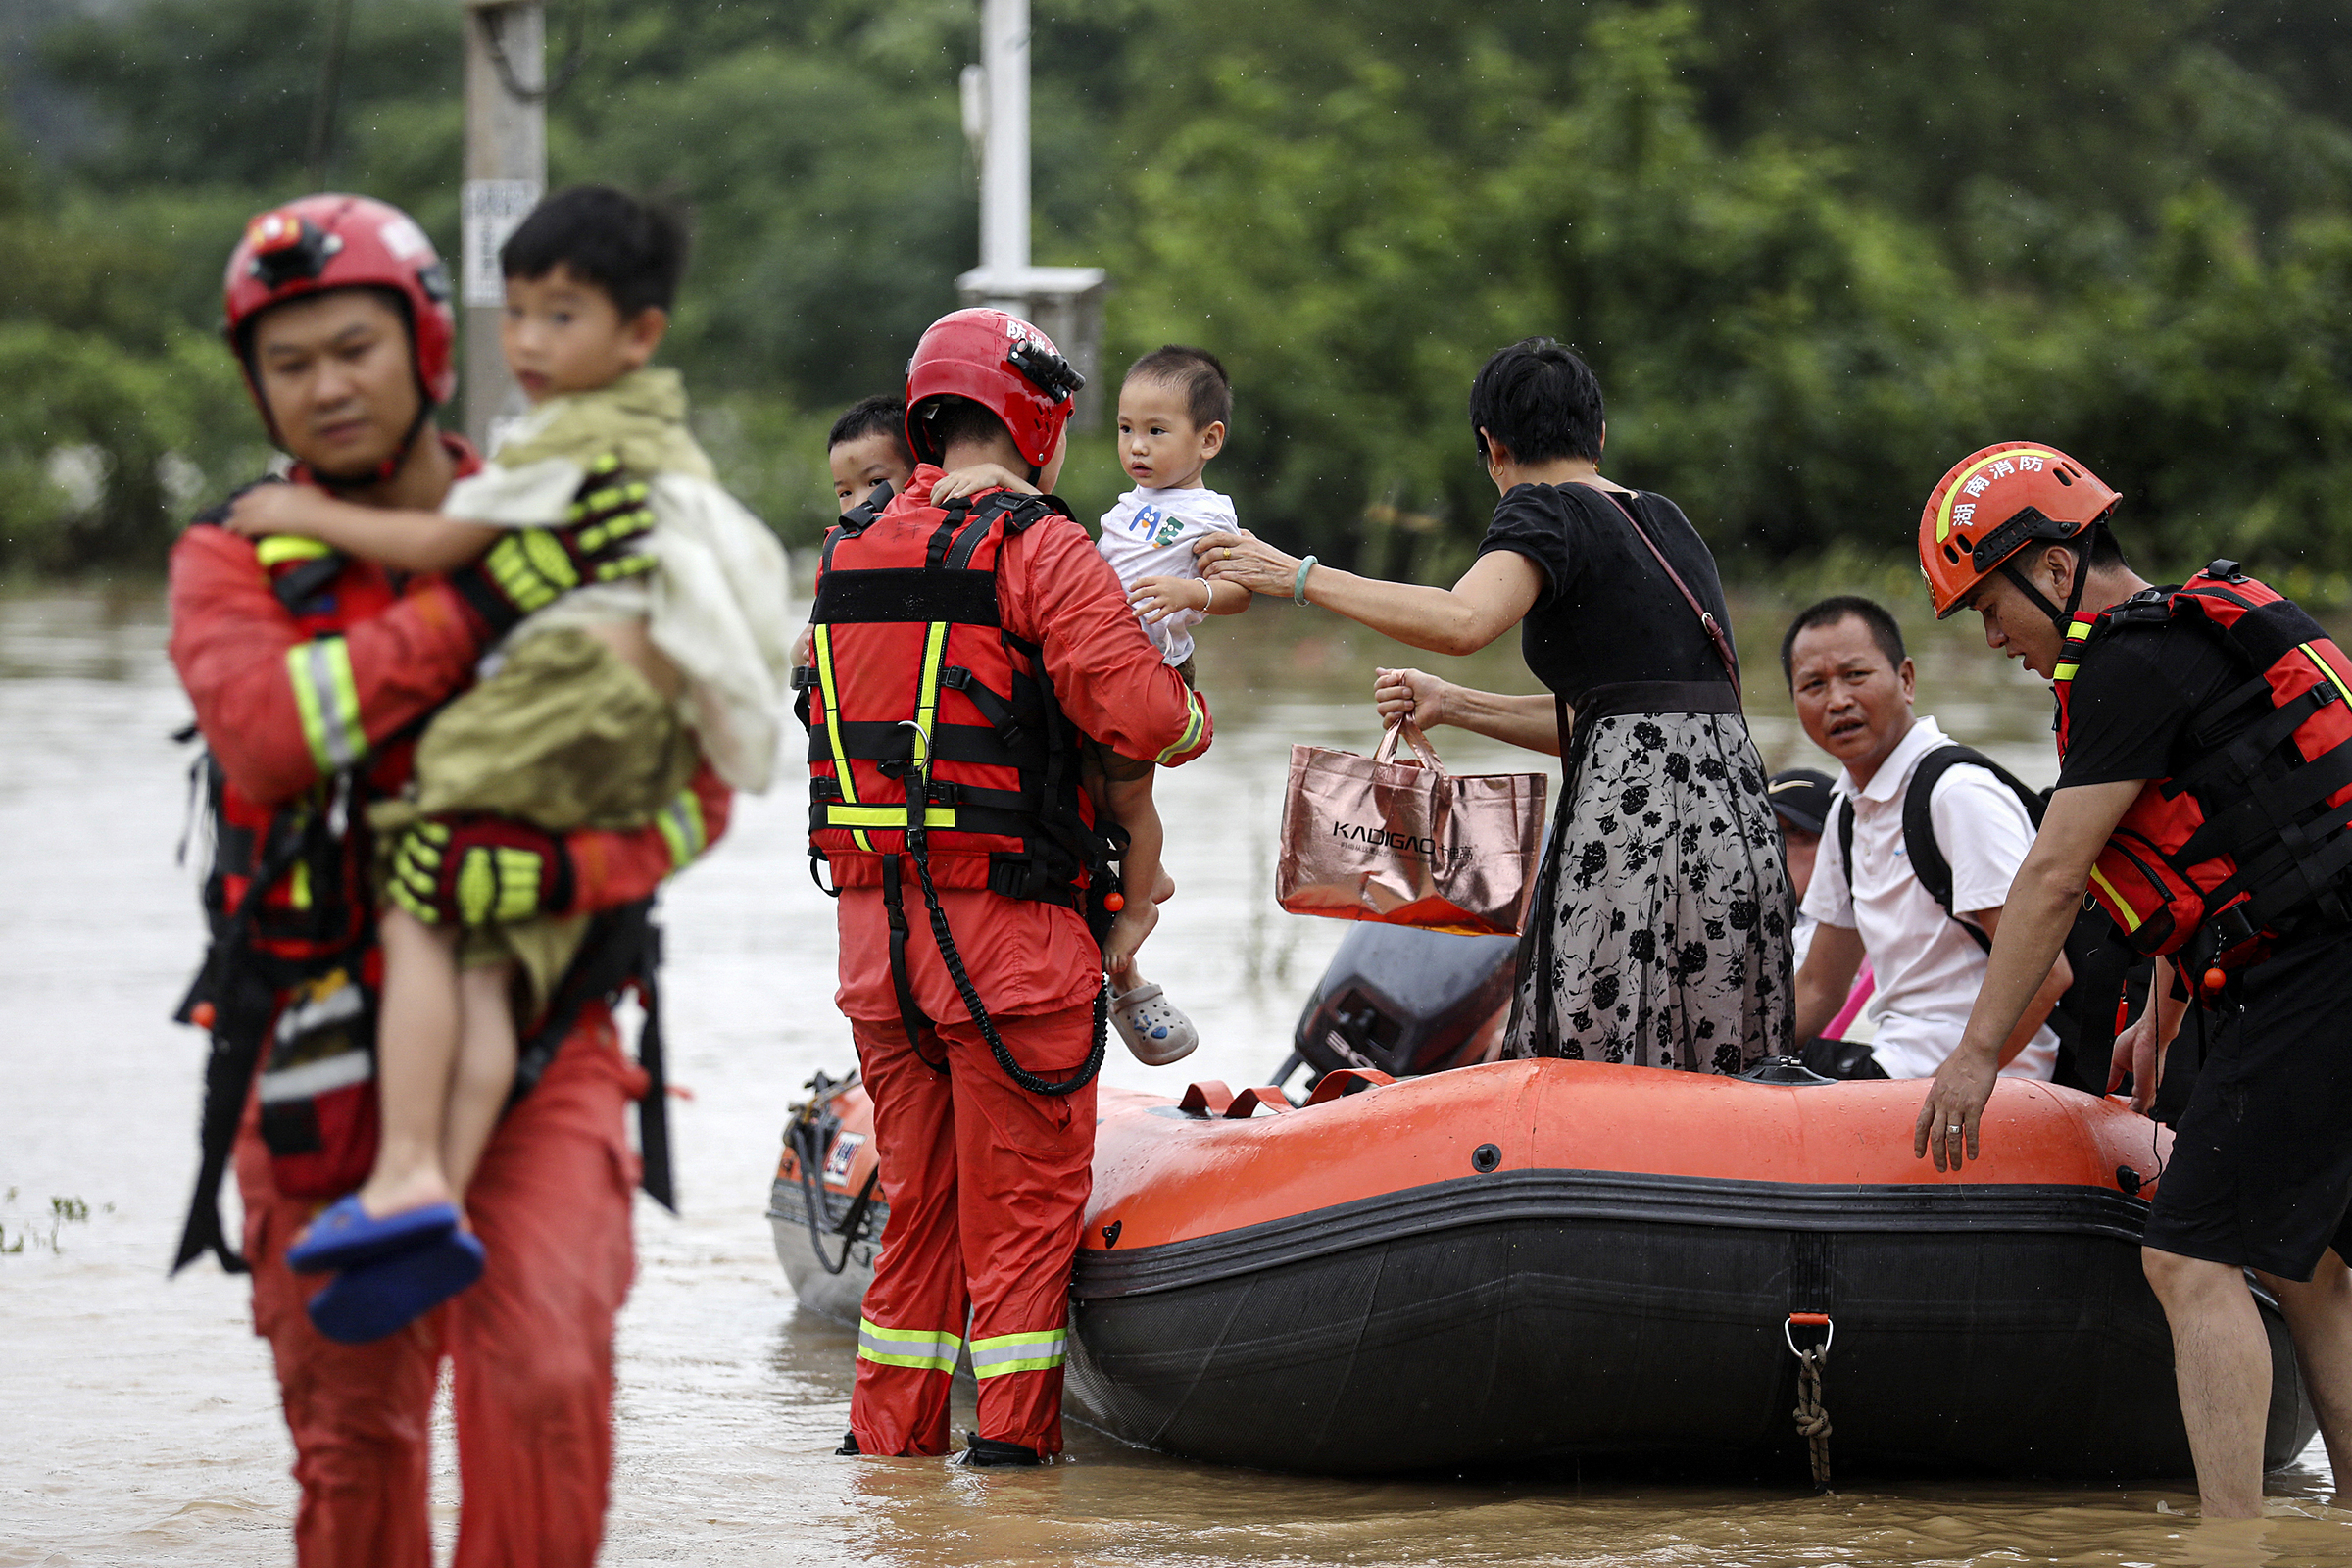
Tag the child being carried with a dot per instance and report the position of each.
(1173, 409)
(594, 712)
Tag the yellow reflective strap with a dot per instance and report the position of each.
(925, 1349)
(298, 885)
(326, 697)
(999, 1354)
(926, 695)
(891, 818)
(823, 637)
(2327, 669)
(682, 828)
(276, 549)
(2117, 902)
(2065, 672)
(1195, 717)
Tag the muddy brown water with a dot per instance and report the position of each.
(139, 1421)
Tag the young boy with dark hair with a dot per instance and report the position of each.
(1173, 409)
(867, 447)
(594, 714)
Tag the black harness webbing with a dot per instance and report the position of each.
(919, 849)
(235, 980)
(622, 948)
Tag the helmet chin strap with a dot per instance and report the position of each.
(2064, 619)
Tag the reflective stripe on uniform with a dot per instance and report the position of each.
(892, 817)
(822, 638)
(2327, 669)
(1195, 717)
(327, 697)
(276, 549)
(999, 1354)
(925, 1349)
(2117, 902)
(682, 828)
(926, 695)
(2076, 635)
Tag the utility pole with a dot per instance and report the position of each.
(1065, 301)
(506, 175)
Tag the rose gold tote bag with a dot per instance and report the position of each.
(1371, 838)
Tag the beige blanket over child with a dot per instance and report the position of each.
(716, 607)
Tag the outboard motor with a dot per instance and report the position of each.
(1405, 1001)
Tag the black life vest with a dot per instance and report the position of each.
(915, 675)
(2258, 831)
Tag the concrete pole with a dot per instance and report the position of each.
(506, 173)
(1004, 155)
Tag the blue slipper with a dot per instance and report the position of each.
(376, 1299)
(346, 1235)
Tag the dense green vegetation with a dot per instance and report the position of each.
(1817, 248)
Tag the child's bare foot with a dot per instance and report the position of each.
(1163, 890)
(1127, 933)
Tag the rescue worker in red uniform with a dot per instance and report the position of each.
(959, 657)
(310, 674)
(2204, 799)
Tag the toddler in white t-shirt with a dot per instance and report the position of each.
(1172, 412)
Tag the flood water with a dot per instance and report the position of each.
(139, 1421)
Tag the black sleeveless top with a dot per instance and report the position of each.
(1606, 614)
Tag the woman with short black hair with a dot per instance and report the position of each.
(1661, 928)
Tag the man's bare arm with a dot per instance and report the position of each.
(2037, 1012)
(1827, 978)
(2043, 900)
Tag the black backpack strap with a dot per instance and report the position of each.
(623, 949)
(1928, 861)
(1845, 845)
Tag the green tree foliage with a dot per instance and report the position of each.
(119, 412)
(1817, 248)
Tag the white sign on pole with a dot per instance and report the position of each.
(492, 210)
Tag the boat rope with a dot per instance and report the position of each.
(851, 1229)
(1812, 1416)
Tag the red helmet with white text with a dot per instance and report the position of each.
(1996, 502)
(320, 243)
(1001, 362)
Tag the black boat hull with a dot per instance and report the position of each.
(1556, 1313)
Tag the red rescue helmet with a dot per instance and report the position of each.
(320, 243)
(1001, 362)
(1994, 503)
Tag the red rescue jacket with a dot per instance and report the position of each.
(1055, 621)
(310, 674)
(921, 673)
(2258, 830)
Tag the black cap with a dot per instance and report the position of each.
(1801, 795)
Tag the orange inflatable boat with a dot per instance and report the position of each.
(1511, 1260)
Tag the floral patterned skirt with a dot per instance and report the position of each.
(1661, 928)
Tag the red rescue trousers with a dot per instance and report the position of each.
(530, 1343)
(987, 1184)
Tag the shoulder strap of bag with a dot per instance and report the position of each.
(1845, 846)
(1928, 861)
(1706, 617)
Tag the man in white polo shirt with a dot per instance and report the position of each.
(1853, 686)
